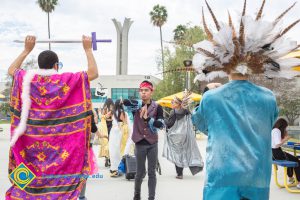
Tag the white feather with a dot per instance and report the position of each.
(199, 77)
(212, 75)
(282, 47)
(225, 49)
(198, 61)
(243, 69)
(205, 44)
(257, 33)
(288, 63)
(26, 101)
(288, 74)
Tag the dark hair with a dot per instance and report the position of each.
(281, 124)
(145, 81)
(119, 109)
(109, 103)
(205, 90)
(47, 59)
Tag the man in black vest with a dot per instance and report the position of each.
(148, 117)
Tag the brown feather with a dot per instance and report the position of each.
(255, 61)
(289, 27)
(242, 27)
(213, 16)
(207, 53)
(208, 33)
(282, 14)
(231, 25)
(213, 68)
(259, 14)
(244, 8)
(286, 30)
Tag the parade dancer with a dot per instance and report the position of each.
(180, 141)
(238, 117)
(50, 128)
(120, 129)
(106, 125)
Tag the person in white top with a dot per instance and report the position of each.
(279, 137)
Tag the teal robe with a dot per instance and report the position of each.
(238, 118)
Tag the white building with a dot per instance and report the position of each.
(117, 86)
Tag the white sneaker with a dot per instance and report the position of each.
(298, 186)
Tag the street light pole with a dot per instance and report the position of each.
(188, 63)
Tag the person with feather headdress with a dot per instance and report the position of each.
(180, 145)
(238, 117)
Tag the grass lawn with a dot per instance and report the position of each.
(4, 122)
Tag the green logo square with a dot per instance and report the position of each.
(22, 176)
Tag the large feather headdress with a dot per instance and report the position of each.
(257, 47)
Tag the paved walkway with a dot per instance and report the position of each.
(106, 188)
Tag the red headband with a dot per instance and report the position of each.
(146, 85)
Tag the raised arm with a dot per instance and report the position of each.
(132, 105)
(29, 45)
(92, 71)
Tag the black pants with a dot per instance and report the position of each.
(142, 152)
(179, 170)
(278, 154)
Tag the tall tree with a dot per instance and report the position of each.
(179, 33)
(159, 17)
(48, 6)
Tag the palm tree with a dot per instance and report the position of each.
(179, 33)
(48, 6)
(159, 17)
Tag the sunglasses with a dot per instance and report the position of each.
(59, 65)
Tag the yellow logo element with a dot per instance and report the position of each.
(22, 176)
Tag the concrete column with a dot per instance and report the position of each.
(122, 45)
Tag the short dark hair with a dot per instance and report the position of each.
(47, 59)
(205, 90)
(145, 81)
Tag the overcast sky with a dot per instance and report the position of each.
(72, 18)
